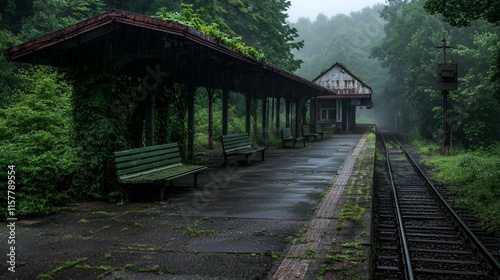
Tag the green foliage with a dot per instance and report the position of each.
(473, 179)
(196, 229)
(189, 17)
(51, 15)
(8, 79)
(462, 12)
(475, 112)
(12, 12)
(412, 100)
(100, 129)
(67, 265)
(236, 123)
(35, 133)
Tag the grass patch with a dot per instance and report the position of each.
(473, 180)
(67, 265)
(352, 213)
(150, 269)
(470, 176)
(80, 264)
(196, 230)
(104, 213)
(344, 258)
(83, 221)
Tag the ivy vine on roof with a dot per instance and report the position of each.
(187, 16)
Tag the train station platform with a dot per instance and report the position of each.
(297, 215)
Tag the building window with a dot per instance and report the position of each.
(328, 112)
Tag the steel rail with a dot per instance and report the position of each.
(485, 253)
(408, 269)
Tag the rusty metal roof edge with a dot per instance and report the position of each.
(88, 25)
(283, 72)
(149, 22)
(341, 96)
(56, 36)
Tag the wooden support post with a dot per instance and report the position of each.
(278, 115)
(287, 113)
(297, 117)
(248, 105)
(264, 121)
(190, 102)
(150, 128)
(303, 110)
(312, 111)
(225, 111)
(210, 93)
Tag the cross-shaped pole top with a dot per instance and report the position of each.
(444, 47)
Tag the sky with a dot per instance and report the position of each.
(311, 8)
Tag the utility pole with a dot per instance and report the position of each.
(447, 80)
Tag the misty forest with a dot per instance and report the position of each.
(390, 47)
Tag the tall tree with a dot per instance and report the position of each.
(462, 13)
(408, 53)
(12, 12)
(51, 15)
(8, 79)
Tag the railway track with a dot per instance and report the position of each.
(417, 234)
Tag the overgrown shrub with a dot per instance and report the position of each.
(473, 179)
(35, 137)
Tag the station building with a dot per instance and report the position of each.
(339, 110)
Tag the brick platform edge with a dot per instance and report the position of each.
(337, 243)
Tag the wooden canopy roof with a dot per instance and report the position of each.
(130, 43)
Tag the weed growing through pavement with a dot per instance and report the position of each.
(196, 230)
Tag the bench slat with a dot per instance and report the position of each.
(286, 136)
(238, 144)
(139, 156)
(250, 150)
(317, 129)
(146, 159)
(166, 174)
(153, 164)
(145, 150)
(139, 166)
(143, 172)
(306, 132)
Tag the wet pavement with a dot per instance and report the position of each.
(240, 223)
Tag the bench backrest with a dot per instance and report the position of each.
(286, 133)
(306, 130)
(232, 142)
(129, 163)
(317, 128)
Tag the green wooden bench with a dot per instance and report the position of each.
(239, 144)
(317, 129)
(153, 164)
(286, 136)
(306, 132)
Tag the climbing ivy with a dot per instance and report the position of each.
(187, 16)
(99, 130)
